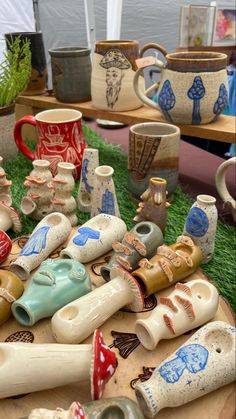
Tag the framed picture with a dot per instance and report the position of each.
(196, 25)
(225, 25)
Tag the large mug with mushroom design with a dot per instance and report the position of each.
(113, 70)
(193, 87)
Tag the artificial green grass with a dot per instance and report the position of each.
(221, 269)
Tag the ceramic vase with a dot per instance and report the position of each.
(187, 307)
(55, 284)
(203, 364)
(11, 288)
(5, 246)
(47, 236)
(142, 240)
(201, 225)
(87, 179)
(93, 362)
(170, 265)
(9, 217)
(94, 238)
(104, 194)
(76, 321)
(5, 185)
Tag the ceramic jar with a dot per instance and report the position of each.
(186, 93)
(5, 246)
(11, 288)
(221, 185)
(87, 179)
(104, 195)
(201, 225)
(203, 364)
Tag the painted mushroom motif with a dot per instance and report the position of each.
(9, 218)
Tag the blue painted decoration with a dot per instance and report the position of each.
(108, 203)
(192, 357)
(84, 176)
(197, 222)
(222, 101)
(196, 93)
(86, 233)
(36, 243)
(166, 99)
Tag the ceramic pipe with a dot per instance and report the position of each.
(77, 320)
(190, 305)
(11, 288)
(27, 368)
(203, 364)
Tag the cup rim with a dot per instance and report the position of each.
(116, 41)
(176, 129)
(77, 116)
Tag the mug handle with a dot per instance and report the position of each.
(221, 183)
(28, 119)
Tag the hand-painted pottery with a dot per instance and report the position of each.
(94, 238)
(221, 185)
(5, 246)
(47, 236)
(76, 321)
(171, 264)
(87, 179)
(55, 284)
(9, 217)
(186, 93)
(104, 194)
(11, 288)
(187, 307)
(203, 364)
(141, 241)
(5, 185)
(50, 365)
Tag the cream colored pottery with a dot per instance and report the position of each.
(8, 148)
(77, 320)
(87, 178)
(221, 185)
(94, 238)
(26, 368)
(203, 364)
(5, 185)
(47, 236)
(9, 217)
(104, 194)
(187, 307)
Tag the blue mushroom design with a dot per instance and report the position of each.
(221, 102)
(166, 99)
(196, 93)
(85, 233)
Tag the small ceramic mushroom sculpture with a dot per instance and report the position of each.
(9, 217)
(5, 185)
(187, 307)
(77, 320)
(203, 364)
(50, 365)
(11, 288)
(5, 246)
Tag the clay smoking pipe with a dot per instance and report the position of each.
(11, 288)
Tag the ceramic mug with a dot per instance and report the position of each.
(60, 137)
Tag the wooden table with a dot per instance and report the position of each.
(221, 130)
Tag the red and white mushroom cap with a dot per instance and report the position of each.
(103, 365)
(15, 217)
(77, 411)
(138, 300)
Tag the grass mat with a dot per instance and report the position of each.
(221, 269)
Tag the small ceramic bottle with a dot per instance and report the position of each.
(203, 364)
(104, 193)
(201, 225)
(87, 179)
(187, 307)
(11, 288)
(47, 236)
(5, 185)
(50, 365)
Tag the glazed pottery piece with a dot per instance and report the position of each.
(77, 320)
(170, 265)
(104, 194)
(94, 238)
(60, 137)
(8, 148)
(11, 288)
(5, 246)
(201, 225)
(153, 152)
(47, 236)
(203, 364)
(5, 185)
(87, 179)
(71, 74)
(9, 217)
(55, 365)
(186, 94)
(55, 284)
(221, 185)
(187, 307)
(153, 207)
(142, 240)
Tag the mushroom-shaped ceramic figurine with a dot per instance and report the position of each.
(50, 365)
(5, 246)
(77, 320)
(9, 218)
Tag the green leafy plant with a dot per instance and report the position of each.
(15, 70)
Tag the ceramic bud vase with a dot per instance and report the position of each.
(170, 265)
(9, 217)
(55, 284)
(203, 364)
(5, 246)
(5, 185)
(95, 363)
(76, 321)
(94, 238)
(11, 288)
(47, 236)
(201, 225)
(104, 194)
(187, 307)
(141, 241)
(87, 178)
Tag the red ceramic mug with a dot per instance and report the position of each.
(5, 246)
(60, 137)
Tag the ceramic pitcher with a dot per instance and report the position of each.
(221, 184)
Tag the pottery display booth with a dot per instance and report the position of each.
(134, 362)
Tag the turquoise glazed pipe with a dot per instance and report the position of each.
(55, 284)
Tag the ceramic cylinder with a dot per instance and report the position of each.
(48, 235)
(187, 307)
(11, 288)
(201, 225)
(87, 179)
(104, 194)
(203, 364)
